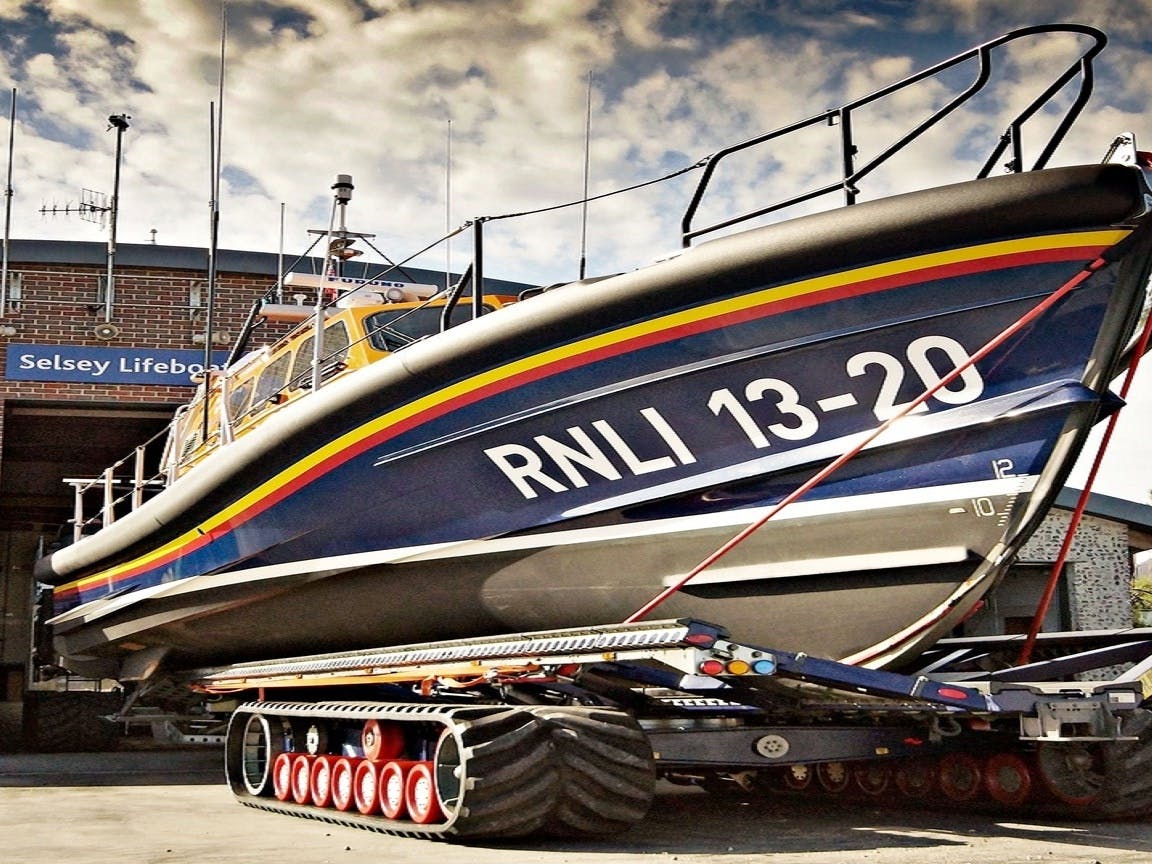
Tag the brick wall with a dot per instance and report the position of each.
(61, 304)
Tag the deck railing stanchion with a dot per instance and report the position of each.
(138, 478)
(109, 511)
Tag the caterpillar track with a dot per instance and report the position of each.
(436, 771)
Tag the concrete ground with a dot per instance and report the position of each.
(173, 807)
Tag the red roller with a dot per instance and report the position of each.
(420, 794)
(365, 786)
(301, 778)
(343, 783)
(391, 784)
(282, 776)
(321, 780)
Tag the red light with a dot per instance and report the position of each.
(701, 640)
(952, 693)
(711, 667)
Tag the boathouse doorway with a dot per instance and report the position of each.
(43, 443)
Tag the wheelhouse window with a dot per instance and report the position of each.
(238, 399)
(271, 381)
(391, 330)
(335, 353)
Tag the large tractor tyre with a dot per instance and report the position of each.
(501, 765)
(607, 774)
(72, 721)
(1103, 781)
(1127, 790)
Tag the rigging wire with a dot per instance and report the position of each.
(464, 226)
(587, 199)
(1049, 592)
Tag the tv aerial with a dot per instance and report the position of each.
(92, 207)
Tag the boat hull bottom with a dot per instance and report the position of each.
(839, 583)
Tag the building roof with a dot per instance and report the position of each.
(86, 252)
(1138, 517)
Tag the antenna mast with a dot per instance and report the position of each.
(448, 209)
(8, 207)
(216, 137)
(584, 204)
(340, 241)
(119, 122)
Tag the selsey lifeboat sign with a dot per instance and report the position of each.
(82, 363)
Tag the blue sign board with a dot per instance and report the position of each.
(92, 365)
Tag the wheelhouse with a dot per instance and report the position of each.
(361, 326)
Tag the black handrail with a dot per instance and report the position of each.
(851, 174)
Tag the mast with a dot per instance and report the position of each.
(584, 203)
(215, 139)
(339, 241)
(8, 207)
(119, 122)
(448, 209)
(280, 260)
(213, 234)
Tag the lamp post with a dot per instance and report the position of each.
(119, 122)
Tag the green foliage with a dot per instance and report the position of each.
(1142, 594)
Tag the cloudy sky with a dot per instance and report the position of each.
(444, 110)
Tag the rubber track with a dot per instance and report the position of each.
(513, 781)
(607, 773)
(525, 769)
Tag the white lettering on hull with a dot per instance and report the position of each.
(525, 466)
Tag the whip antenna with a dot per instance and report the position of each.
(8, 206)
(215, 137)
(584, 204)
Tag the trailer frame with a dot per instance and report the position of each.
(677, 700)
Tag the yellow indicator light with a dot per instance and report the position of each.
(738, 667)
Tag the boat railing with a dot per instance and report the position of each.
(121, 487)
(853, 172)
(853, 169)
